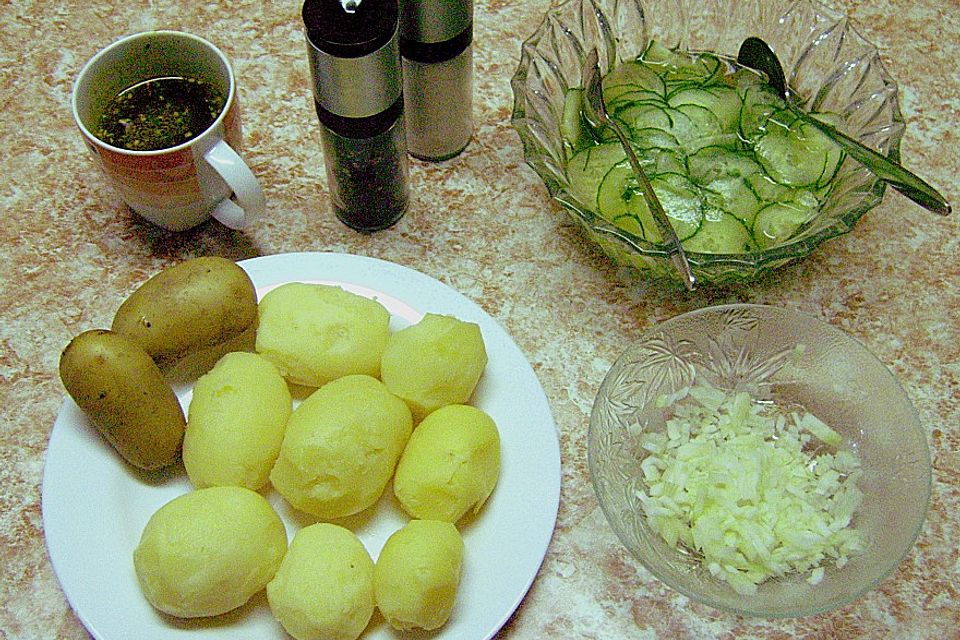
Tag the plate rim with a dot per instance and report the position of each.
(270, 270)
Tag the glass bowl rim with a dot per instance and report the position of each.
(915, 427)
(756, 261)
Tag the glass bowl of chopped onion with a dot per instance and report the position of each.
(759, 460)
(747, 186)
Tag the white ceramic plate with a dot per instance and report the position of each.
(95, 506)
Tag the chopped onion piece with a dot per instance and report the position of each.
(755, 490)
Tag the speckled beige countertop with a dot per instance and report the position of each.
(482, 223)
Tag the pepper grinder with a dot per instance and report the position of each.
(353, 50)
(436, 49)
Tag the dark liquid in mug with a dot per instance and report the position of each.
(160, 113)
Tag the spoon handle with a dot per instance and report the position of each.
(901, 179)
(667, 232)
(757, 54)
(596, 113)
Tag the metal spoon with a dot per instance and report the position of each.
(596, 114)
(757, 54)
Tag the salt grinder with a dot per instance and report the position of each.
(353, 50)
(436, 48)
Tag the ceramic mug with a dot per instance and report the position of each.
(179, 187)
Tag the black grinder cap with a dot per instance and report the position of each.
(354, 60)
(348, 28)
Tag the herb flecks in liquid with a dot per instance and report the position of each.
(160, 113)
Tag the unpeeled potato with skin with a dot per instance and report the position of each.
(188, 307)
(123, 393)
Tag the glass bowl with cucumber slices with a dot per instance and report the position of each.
(759, 460)
(747, 186)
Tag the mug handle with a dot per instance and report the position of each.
(250, 203)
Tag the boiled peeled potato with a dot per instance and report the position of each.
(121, 390)
(433, 363)
(450, 465)
(341, 446)
(235, 422)
(208, 551)
(189, 309)
(417, 574)
(324, 587)
(315, 333)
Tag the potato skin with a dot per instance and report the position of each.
(121, 389)
(190, 306)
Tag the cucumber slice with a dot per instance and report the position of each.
(822, 194)
(675, 67)
(618, 194)
(682, 202)
(616, 92)
(652, 137)
(682, 127)
(658, 55)
(573, 128)
(692, 126)
(733, 195)
(760, 102)
(621, 202)
(627, 95)
(619, 191)
(798, 155)
(720, 232)
(712, 163)
(729, 141)
(656, 161)
(645, 115)
(776, 223)
(636, 74)
(722, 101)
(835, 159)
(706, 122)
(630, 224)
(714, 66)
(642, 110)
(807, 199)
(587, 168)
(768, 190)
(705, 127)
